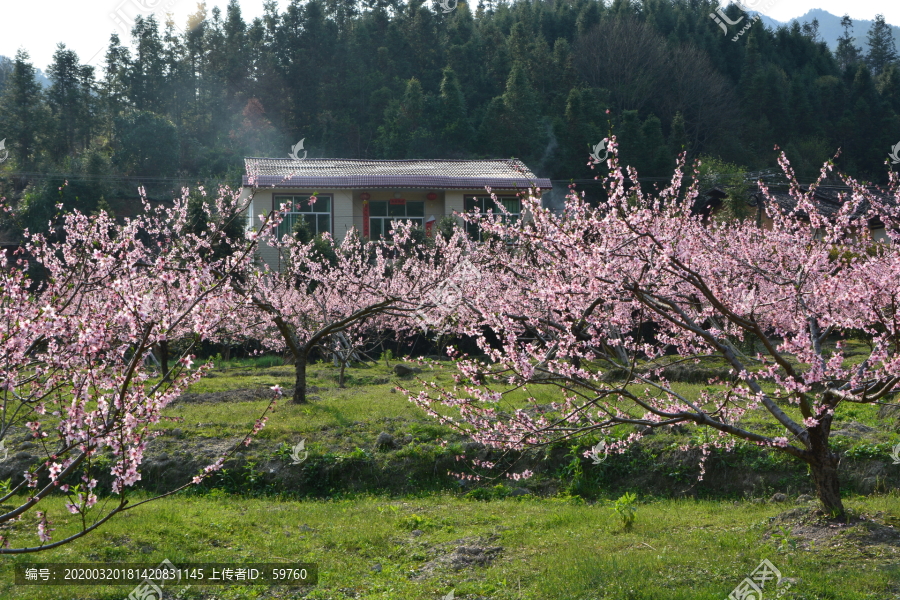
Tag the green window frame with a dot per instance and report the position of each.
(382, 212)
(318, 214)
(486, 205)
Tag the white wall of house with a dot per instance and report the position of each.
(347, 208)
(453, 200)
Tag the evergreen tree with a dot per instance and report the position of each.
(235, 68)
(453, 124)
(368, 83)
(23, 118)
(577, 133)
(6, 69)
(147, 145)
(146, 73)
(888, 85)
(847, 54)
(70, 99)
(405, 133)
(811, 30)
(520, 133)
(177, 97)
(882, 48)
(323, 249)
(678, 139)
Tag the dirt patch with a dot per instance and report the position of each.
(855, 430)
(460, 554)
(241, 395)
(870, 534)
(890, 411)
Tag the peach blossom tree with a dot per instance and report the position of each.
(572, 297)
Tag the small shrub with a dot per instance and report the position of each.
(498, 492)
(626, 508)
(358, 454)
(869, 450)
(784, 540)
(285, 452)
(411, 522)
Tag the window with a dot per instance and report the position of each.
(485, 204)
(317, 214)
(382, 212)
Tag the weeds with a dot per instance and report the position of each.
(626, 508)
(784, 539)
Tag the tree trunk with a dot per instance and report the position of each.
(824, 467)
(300, 379)
(164, 358)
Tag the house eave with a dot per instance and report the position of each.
(374, 182)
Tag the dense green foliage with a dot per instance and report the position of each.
(541, 80)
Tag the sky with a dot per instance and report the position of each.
(39, 25)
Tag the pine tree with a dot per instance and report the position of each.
(23, 118)
(888, 85)
(452, 122)
(113, 88)
(235, 67)
(811, 30)
(146, 81)
(577, 136)
(177, 96)
(678, 139)
(404, 132)
(882, 48)
(70, 98)
(6, 69)
(847, 54)
(522, 109)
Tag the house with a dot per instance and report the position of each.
(368, 194)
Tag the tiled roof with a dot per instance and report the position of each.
(827, 200)
(414, 173)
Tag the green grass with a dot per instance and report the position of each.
(555, 547)
(552, 548)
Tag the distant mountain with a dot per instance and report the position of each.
(41, 78)
(830, 27)
(6, 66)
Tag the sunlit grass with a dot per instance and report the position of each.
(552, 548)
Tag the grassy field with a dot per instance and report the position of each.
(390, 524)
(528, 548)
